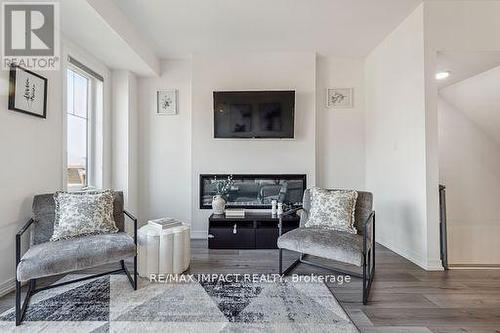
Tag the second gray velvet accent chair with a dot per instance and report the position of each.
(354, 249)
(45, 258)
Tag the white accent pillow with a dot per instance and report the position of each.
(82, 214)
(332, 209)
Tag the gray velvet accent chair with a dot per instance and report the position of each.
(45, 258)
(353, 249)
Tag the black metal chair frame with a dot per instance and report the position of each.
(21, 310)
(368, 263)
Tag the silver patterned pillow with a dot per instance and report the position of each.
(82, 214)
(333, 209)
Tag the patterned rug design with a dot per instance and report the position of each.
(108, 304)
(89, 302)
(233, 298)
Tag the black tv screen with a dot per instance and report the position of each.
(254, 114)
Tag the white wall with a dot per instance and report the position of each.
(174, 150)
(395, 139)
(401, 133)
(133, 162)
(165, 145)
(251, 71)
(468, 26)
(33, 155)
(478, 98)
(434, 26)
(447, 26)
(31, 150)
(340, 132)
(120, 131)
(469, 162)
(125, 138)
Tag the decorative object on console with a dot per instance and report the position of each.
(339, 98)
(235, 213)
(218, 204)
(166, 102)
(165, 251)
(27, 92)
(273, 207)
(222, 187)
(280, 208)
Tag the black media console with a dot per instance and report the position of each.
(254, 231)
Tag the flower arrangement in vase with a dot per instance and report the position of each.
(222, 187)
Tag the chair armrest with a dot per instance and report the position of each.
(369, 225)
(18, 240)
(130, 215)
(24, 227)
(288, 212)
(369, 219)
(133, 219)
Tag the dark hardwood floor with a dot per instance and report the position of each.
(404, 297)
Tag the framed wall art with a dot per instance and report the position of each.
(27, 92)
(166, 102)
(339, 98)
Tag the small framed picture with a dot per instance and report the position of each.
(166, 102)
(339, 98)
(27, 92)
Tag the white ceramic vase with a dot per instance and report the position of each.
(218, 204)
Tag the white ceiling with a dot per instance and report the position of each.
(463, 65)
(91, 25)
(479, 99)
(343, 28)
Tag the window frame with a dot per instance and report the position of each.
(91, 131)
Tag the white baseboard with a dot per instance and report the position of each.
(198, 234)
(435, 265)
(428, 265)
(7, 286)
(468, 267)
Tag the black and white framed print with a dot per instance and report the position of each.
(339, 98)
(166, 102)
(27, 92)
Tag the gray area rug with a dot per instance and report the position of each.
(108, 304)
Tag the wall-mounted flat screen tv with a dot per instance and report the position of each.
(254, 114)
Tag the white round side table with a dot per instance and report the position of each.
(163, 252)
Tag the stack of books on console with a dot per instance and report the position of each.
(235, 213)
(164, 223)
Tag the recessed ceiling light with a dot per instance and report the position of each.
(442, 75)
